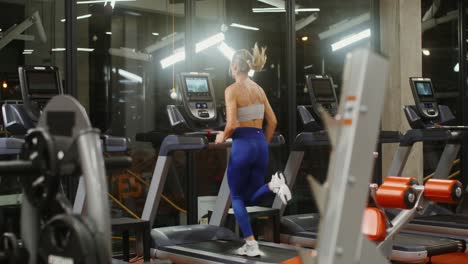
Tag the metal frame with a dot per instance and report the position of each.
(71, 69)
(350, 169)
(463, 106)
(291, 71)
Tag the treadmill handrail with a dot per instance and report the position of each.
(413, 136)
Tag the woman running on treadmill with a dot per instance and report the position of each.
(246, 108)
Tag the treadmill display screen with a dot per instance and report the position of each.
(42, 82)
(197, 85)
(322, 89)
(424, 89)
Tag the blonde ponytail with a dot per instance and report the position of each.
(258, 58)
(250, 61)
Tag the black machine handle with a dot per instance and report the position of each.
(16, 166)
(26, 166)
(116, 163)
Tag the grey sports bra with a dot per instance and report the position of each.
(251, 112)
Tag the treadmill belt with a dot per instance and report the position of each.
(433, 245)
(228, 248)
(450, 221)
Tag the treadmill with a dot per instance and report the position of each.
(428, 115)
(197, 115)
(302, 229)
(39, 84)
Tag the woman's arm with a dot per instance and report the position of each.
(270, 118)
(231, 116)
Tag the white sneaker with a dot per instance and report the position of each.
(278, 185)
(250, 249)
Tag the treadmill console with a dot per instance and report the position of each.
(198, 96)
(322, 93)
(424, 97)
(38, 85)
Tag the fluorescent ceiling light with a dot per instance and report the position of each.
(155, 34)
(209, 42)
(173, 59)
(426, 52)
(109, 33)
(178, 56)
(28, 50)
(85, 49)
(83, 16)
(282, 10)
(130, 54)
(244, 26)
(129, 75)
(78, 17)
(100, 1)
(78, 49)
(165, 41)
(27, 53)
(456, 68)
(227, 51)
(351, 39)
(344, 25)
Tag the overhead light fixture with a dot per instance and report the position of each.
(227, 51)
(456, 68)
(78, 49)
(85, 49)
(305, 38)
(28, 52)
(173, 59)
(109, 33)
(165, 41)
(244, 26)
(128, 75)
(155, 34)
(426, 52)
(100, 1)
(344, 25)
(130, 54)
(78, 17)
(209, 42)
(4, 84)
(282, 10)
(351, 39)
(178, 56)
(308, 66)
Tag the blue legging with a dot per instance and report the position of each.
(246, 172)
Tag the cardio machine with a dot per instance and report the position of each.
(197, 115)
(302, 229)
(38, 85)
(434, 122)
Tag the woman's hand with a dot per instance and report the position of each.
(219, 138)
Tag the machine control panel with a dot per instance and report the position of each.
(322, 93)
(424, 97)
(198, 93)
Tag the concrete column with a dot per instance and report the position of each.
(400, 31)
